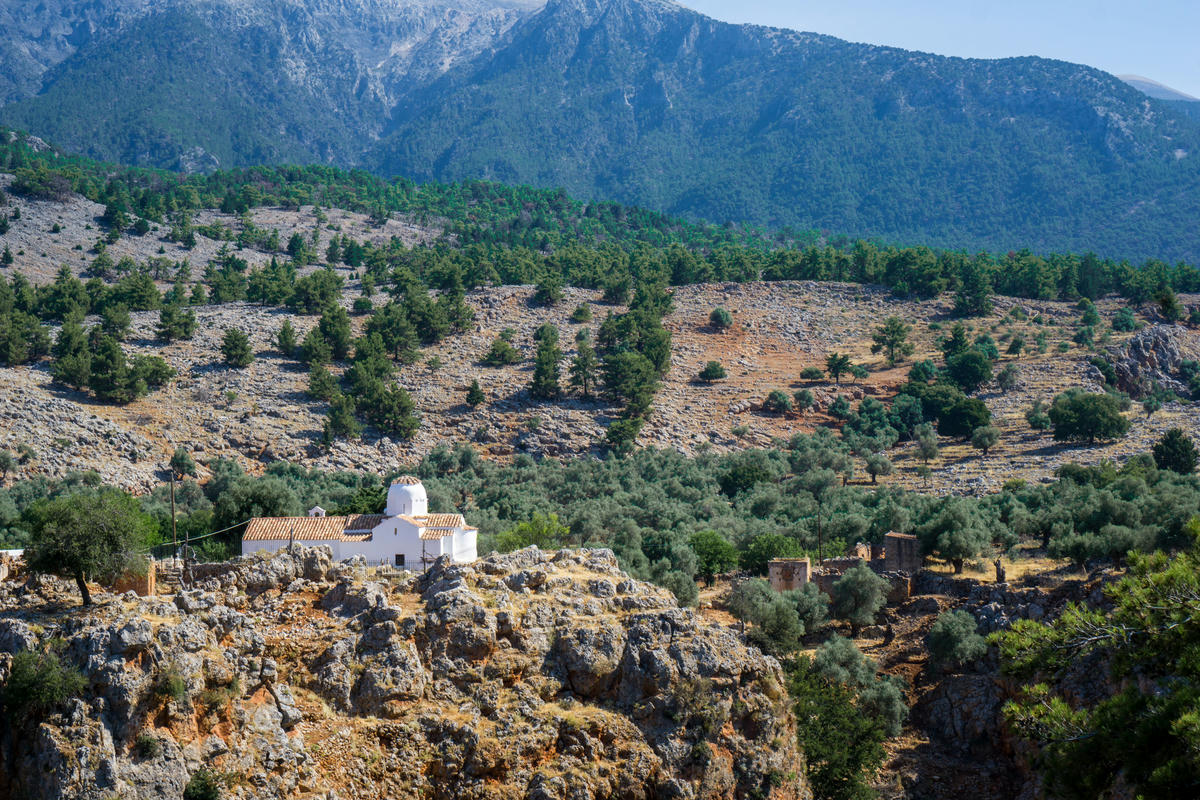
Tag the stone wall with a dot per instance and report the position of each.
(141, 584)
(786, 574)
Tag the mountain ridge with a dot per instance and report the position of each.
(645, 102)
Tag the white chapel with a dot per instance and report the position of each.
(406, 535)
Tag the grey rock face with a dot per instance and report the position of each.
(1151, 357)
(457, 683)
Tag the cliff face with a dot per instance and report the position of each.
(540, 675)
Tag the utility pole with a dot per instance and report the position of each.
(174, 533)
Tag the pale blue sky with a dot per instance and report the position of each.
(1158, 39)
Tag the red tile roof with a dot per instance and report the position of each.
(356, 528)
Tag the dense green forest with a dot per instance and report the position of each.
(502, 234)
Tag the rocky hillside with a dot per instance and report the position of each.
(528, 675)
(639, 101)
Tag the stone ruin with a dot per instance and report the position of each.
(897, 560)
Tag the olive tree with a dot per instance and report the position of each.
(87, 535)
(954, 639)
(858, 595)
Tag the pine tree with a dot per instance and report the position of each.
(583, 368)
(235, 348)
(175, 322)
(545, 370)
(72, 359)
(111, 379)
(892, 338)
(285, 340)
(475, 395)
(335, 329)
(340, 419)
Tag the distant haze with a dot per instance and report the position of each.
(1152, 38)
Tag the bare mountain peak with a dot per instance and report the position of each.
(1158, 91)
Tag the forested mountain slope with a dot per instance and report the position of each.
(635, 100)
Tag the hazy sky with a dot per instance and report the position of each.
(1159, 39)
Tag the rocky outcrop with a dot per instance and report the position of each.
(1152, 357)
(527, 675)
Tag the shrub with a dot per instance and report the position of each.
(1037, 417)
(778, 402)
(147, 746)
(804, 399)
(713, 371)
(37, 682)
(203, 785)
(1124, 320)
(500, 354)
(363, 305)
(171, 684)
(922, 372)
(720, 319)
(1008, 377)
(954, 639)
(581, 314)
(812, 374)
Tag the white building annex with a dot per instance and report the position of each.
(405, 536)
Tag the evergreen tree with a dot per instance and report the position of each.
(321, 384)
(836, 364)
(394, 412)
(475, 396)
(956, 342)
(1080, 416)
(984, 438)
(314, 349)
(340, 419)
(285, 340)
(235, 348)
(544, 384)
(969, 369)
(583, 368)
(397, 332)
(111, 379)
(974, 297)
(927, 442)
(72, 359)
(1175, 451)
(182, 464)
(892, 338)
(335, 329)
(115, 321)
(88, 535)
(175, 322)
